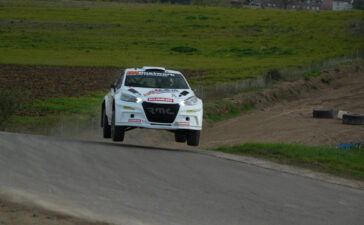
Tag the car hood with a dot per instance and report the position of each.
(159, 95)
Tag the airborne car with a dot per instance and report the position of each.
(152, 97)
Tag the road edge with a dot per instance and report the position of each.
(299, 171)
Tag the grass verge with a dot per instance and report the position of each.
(86, 104)
(346, 163)
(49, 112)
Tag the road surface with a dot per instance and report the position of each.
(125, 184)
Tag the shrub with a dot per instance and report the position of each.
(184, 49)
(10, 102)
(326, 80)
(273, 75)
(240, 52)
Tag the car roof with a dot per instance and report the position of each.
(154, 69)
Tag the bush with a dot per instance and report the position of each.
(184, 49)
(273, 75)
(10, 103)
(241, 52)
(358, 4)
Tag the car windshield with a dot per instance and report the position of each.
(156, 80)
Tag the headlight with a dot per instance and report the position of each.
(190, 101)
(129, 98)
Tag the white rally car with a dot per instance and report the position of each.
(152, 97)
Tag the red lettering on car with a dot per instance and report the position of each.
(183, 123)
(134, 120)
(158, 99)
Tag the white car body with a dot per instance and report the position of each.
(156, 108)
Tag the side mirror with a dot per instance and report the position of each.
(112, 86)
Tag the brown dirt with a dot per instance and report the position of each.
(22, 214)
(284, 113)
(56, 81)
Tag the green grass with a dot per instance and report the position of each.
(349, 162)
(88, 104)
(228, 43)
(54, 110)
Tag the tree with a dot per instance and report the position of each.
(283, 4)
(358, 4)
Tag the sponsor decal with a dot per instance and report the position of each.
(134, 120)
(160, 91)
(157, 99)
(132, 73)
(157, 74)
(183, 123)
(141, 73)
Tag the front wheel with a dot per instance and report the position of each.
(117, 132)
(193, 137)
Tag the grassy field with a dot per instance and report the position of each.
(228, 44)
(348, 162)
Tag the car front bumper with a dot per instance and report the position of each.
(133, 115)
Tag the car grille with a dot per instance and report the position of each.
(160, 113)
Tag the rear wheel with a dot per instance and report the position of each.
(193, 137)
(106, 128)
(180, 136)
(117, 132)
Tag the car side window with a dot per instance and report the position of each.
(119, 81)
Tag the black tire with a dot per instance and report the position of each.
(353, 119)
(106, 128)
(180, 136)
(193, 137)
(117, 132)
(323, 113)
